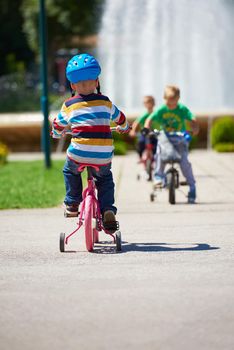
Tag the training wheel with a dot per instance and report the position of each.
(62, 242)
(118, 241)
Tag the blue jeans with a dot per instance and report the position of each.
(103, 181)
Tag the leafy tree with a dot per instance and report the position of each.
(14, 49)
(65, 18)
(19, 37)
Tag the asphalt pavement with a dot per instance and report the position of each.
(171, 287)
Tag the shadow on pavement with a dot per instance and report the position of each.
(215, 203)
(166, 247)
(109, 248)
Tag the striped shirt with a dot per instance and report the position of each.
(89, 117)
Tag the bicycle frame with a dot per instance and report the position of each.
(90, 190)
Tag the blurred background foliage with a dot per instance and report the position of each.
(222, 135)
(68, 22)
(65, 18)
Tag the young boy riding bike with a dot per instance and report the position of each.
(88, 114)
(149, 103)
(172, 117)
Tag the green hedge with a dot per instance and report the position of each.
(224, 147)
(222, 131)
(120, 148)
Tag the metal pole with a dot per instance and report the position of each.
(44, 80)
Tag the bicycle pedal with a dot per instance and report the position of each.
(158, 186)
(183, 183)
(71, 215)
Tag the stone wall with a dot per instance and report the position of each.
(24, 134)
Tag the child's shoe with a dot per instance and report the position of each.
(158, 182)
(192, 196)
(147, 176)
(109, 222)
(71, 211)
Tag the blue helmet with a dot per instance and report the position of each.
(82, 67)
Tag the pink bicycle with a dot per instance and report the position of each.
(90, 216)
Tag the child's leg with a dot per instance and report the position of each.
(154, 143)
(141, 145)
(105, 187)
(73, 183)
(160, 166)
(186, 166)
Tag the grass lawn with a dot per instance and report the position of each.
(30, 185)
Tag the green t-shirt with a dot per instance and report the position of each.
(142, 118)
(172, 119)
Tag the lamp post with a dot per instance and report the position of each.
(44, 81)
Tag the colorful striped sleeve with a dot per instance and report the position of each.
(61, 121)
(118, 117)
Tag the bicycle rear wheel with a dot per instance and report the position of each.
(88, 216)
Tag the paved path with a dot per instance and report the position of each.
(172, 286)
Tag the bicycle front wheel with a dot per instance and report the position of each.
(88, 216)
(171, 187)
(95, 231)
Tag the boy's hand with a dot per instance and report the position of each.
(54, 136)
(132, 133)
(123, 131)
(194, 127)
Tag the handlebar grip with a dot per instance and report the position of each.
(145, 131)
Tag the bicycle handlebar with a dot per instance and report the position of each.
(186, 134)
(177, 133)
(69, 132)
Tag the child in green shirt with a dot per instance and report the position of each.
(149, 103)
(173, 116)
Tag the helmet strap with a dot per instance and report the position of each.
(99, 88)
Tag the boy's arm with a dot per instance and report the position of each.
(193, 124)
(148, 122)
(134, 129)
(60, 123)
(119, 119)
